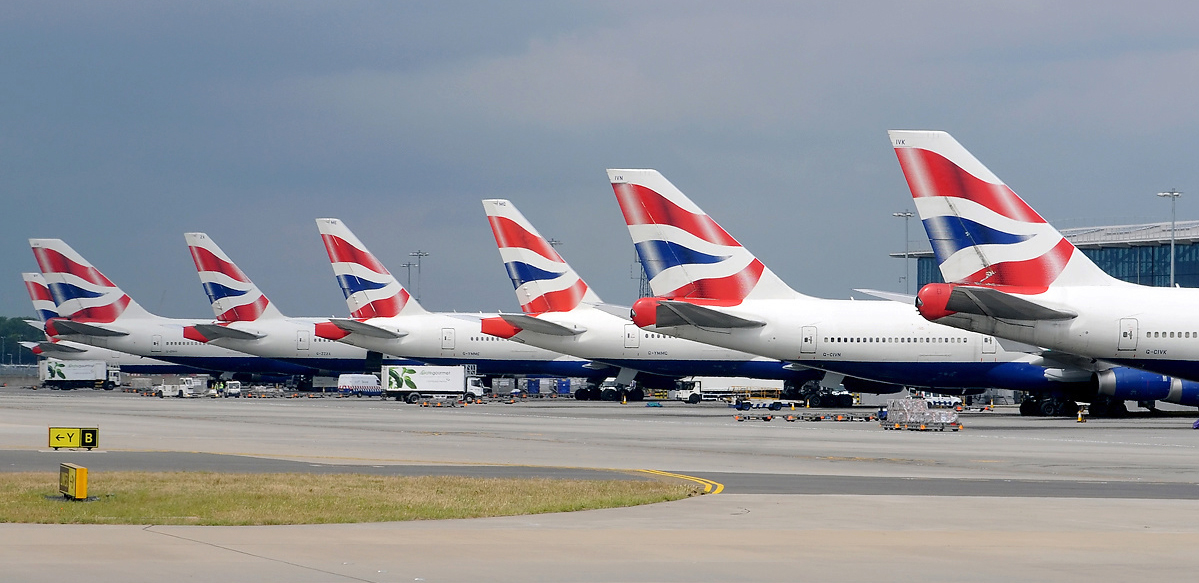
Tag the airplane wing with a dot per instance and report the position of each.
(356, 327)
(533, 324)
(214, 331)
(1000, 305)
(886, 295)
(69, 327)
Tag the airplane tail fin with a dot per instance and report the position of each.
(544, 282)
(371, 291)
(233, 296)
(685, 253)
(982, 232)
(39, 292)
(79, 289)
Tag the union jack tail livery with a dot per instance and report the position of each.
(371, 291)
(544, 282)
(81, 292)
(39, 292)
(233, 296)
(982, 232)
(685, 253)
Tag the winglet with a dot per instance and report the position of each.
(544, 282)
(685, 253)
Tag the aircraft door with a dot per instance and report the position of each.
(302, 339)
(988, 345)
(632, 336)
(807, 344)
(156, 343)
(447, 338)
(1128, 334)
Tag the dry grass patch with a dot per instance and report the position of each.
(253, 499)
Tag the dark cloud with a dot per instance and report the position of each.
(126, 124)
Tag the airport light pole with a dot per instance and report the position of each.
(1173, 195)
(907, 279)
(418, 254)
(408, 266)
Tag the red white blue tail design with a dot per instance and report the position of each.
(685, 253)
(81, 292)
(371, 291)
(39, 293)
(233, 296)
(544, 282)
(982, 232)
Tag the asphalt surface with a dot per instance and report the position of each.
(1008, 498)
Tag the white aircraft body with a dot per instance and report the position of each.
(94, 311)
(1012, 274)
(249, 322)
(711, 289)
(563, 314)
(385, 318)
(43, 305)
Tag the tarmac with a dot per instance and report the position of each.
(1007, 498)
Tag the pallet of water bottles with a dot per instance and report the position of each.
(915, 415)
(808, 416)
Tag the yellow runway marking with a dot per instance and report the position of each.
(710, 487)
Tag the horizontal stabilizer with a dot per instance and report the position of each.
(618, 311)
(356, 327)
(891, 296)
(53, 347)
(69, 327)
(674, 313)
(534, 324)
(214, 331)
(1004, 306)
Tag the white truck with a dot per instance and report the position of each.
(78, 374)
(413, 383)
(359, 385)
(187, 388)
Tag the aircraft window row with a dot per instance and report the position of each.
(181, 343)
(890, 340)
(654, 335)
(487, 339)
(1172, 335)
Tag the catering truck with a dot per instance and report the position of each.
(413, 383)
(77, 374)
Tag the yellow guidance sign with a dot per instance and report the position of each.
(72, 481)
(85, 437)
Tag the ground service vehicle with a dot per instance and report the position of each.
(360, 384)
(77, 374)
(413, 383)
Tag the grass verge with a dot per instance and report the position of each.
(206, 498)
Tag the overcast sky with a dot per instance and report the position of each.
(124, 125)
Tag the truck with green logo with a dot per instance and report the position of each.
(77, 374)
(414, 383)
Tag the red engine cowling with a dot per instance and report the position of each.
(645, 312)
(932, 299)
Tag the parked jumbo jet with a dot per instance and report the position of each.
(248, 322)
(711, 289)
(1013, 275)
(43, 306)
(562, 313)
(386, 319)
(94, 311)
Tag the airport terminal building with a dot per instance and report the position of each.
(1134, 253)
